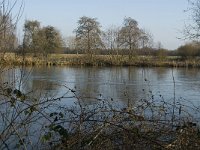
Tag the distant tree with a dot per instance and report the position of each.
(31, 38)
(111, 36)
(146, 42)
(53, 40)
(43, 40)
(129, 35)
(49, 40)
(70, 42)
(161, 53)
(189, 50)
(8, 36)
(159, 45)
(88, 35)
(192, 30)
(146, 39)
(8, 39)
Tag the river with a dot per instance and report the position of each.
(117, 83)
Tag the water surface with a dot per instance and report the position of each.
(118, 83)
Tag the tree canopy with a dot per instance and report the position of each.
(88, 35)
(39, 39)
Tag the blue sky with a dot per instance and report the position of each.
(163, 18)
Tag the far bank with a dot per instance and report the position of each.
(99, 60)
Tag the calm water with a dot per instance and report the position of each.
(90, 83)
(118, 83)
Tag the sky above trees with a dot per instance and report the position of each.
(163, 18)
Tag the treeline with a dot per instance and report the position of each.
(89, 38)
(128, 39)
(185, 51)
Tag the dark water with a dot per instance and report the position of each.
(119, 83)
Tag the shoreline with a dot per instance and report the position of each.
(100, 61)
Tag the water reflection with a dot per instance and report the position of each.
(119, 83)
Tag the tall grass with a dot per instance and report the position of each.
(101, 60)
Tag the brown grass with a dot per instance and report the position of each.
(99, 60)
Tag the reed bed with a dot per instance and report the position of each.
(99, 60)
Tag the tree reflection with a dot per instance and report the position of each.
(87, 83)
(121, 84)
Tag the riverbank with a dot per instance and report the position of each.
(100, 60)
(56, 108)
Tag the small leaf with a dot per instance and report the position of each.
(8, 91)
(53, 114)
(47, 137)
(26, 112)
(12, 101)
(32, 109)
(23, 97)
(56, 119)
(61, 115)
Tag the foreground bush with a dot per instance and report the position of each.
(147, 126)
(45, 123)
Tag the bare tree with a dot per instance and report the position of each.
(8, 23)
(129, 35)
(159, 45)
(70, 42)
(88, 35)
(111, 36)
(192, 30)
(146, 39)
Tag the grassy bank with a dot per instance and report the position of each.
(100, 60)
